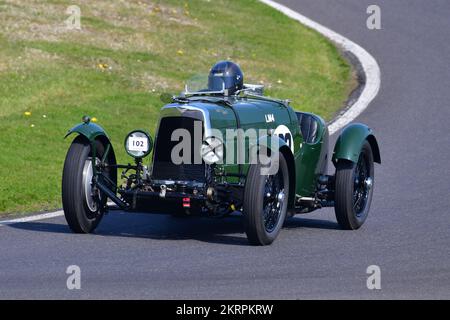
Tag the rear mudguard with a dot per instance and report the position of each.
(348, 145)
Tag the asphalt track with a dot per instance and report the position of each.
(406, 234)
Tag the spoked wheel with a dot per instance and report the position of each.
(362, 185)
(354, 189)
(274, 196)
(265, 203)
(83, 203)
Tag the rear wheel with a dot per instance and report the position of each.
(265, 203)
(354, 189)
(83, 204)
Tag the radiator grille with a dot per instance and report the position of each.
(163, 167)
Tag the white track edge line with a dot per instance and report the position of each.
(41, 216)
(371, 88)
(369, 65)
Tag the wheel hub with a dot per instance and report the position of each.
(89, 190)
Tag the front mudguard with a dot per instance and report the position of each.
(349, 144)
(93, 132)
(89, 130)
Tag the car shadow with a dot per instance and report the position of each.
(310, 223)
(229, 230)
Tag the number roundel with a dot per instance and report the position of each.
(138, 144)
(285, 134)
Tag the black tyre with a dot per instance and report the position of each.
(354, 189)
(83, 205)
(265, 203)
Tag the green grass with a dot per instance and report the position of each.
(149, 48)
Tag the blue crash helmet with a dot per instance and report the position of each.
(226, 74)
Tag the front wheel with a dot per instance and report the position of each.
(354, 189)
(83, 204)
(265, 203)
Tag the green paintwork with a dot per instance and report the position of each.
(252, 113)
(349, 144)
(90, 130)
(307, 161)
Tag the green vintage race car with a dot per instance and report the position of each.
(222, 149)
